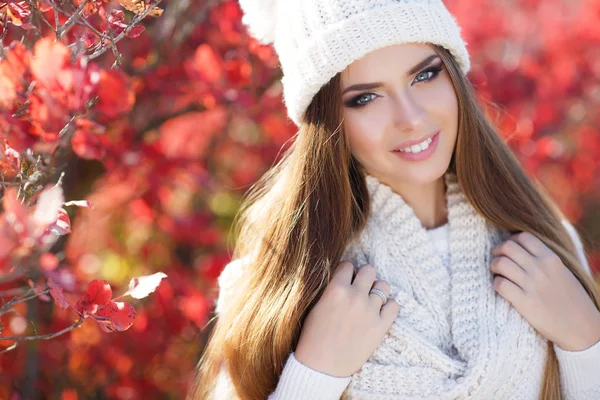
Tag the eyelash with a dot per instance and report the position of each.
(434, 69)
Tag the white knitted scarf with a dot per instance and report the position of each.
(454, 336)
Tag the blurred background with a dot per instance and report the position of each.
(201, 118)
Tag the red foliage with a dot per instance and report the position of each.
(169, 127)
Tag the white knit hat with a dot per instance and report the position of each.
(316, 39)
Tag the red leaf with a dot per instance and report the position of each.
(189, 135)
(119, 316)
(135, 31)
(207, 64)
(89, 39)
(97, 293)
(116, 16)
(49, 60)
(13, 68)
(48, 116)
(57, 294)
(195, 307)
(239, 72)
(44, 7)
(115, 95)
(13, 158)
(88, 146)
(13, 207)
(90, 126)
(62, 226)
(18, 12)
(91, 7)
(7, 243)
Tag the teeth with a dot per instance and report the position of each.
(417, 148)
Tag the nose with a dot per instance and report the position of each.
(408, 114)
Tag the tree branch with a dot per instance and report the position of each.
(133, 23)
(5, 307)
(46, 336)
(10, 348)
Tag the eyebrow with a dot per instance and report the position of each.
(373, 85)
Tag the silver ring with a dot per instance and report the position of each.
(380, 294)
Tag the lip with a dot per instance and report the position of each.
(423, 155)
(409, 143)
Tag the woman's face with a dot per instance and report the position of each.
(392, 118)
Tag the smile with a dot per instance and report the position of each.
(417, 148)
(419, 151)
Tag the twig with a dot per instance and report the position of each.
(36, 11)
(12, 277)
(185, 29)
(102, 49)
(4, 24)
(13, 292)
(9, 348)
(17, 300)
(56, 21)
(46, 336)
(132, 24)
(71, 21)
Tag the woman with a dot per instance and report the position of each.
(398, 250)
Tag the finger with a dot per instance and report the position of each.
(511, 292)
(531, 243)
(374, 299)
(515, 252)
(365, 276)
(343, 273)
(507, 268)
(389, 312)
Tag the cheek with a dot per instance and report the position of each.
(440, 102)
(365, 139)
(368, 122)
(366, 128)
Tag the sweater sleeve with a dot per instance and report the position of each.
(297, 381)
(578, 245)
(579, 370)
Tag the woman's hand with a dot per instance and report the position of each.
(545, 292)
(347, 324)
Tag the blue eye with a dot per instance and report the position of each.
(430, 74)
(356, 103)
(434, 71)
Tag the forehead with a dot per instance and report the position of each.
(378, 63)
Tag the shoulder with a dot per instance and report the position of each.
(229, 278)
(572, 232)
(231, 272)
(578, 244)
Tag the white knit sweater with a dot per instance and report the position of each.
(443, 345)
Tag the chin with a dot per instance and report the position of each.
(425, 174)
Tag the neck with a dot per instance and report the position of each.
(428, 201)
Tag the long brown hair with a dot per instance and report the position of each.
(300, 216)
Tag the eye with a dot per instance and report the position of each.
(361, 100)
(430, 73)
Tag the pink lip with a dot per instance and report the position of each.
(409, 143)
(423, 155)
